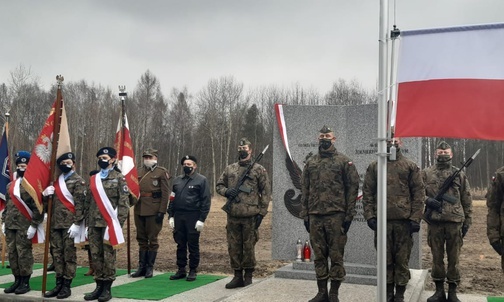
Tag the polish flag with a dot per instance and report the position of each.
(451, 83)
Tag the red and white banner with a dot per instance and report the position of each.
(281, 126)
(451, 83)
(15, 193)
(61, 190)
(126, 156)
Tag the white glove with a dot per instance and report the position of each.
(171, 222)
(48, 191)
(86, 233)
(199, 225)
(73, 231)
(3, 228)
(31, 232)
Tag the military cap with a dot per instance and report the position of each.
(191, 157)
(150, 152)
(64, 156)
(325, 129)
(107, 150)
(443, 145)
(244, 141)
(22, 157)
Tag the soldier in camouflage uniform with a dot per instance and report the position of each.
(449, 222)
(405, 196)
(330, 185)
(66, 219)
(150, 210)
(102, 253)
(19, 230)
(495, 216)
(245, 216)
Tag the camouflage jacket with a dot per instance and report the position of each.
(250, 204)
(405, 190)
(495, 205)
(13, 218)
(461, 211)
(154, 191)
(330, 184)
(118, 193)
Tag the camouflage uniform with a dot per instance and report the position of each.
(102, 254)
(405, 196)
(330, 185)
(495, 216)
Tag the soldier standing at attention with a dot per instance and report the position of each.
(405, 196)
(19, 227)
(495, 216)
(245, 216)
(187, 214)
(150, 210)
(330, 185)
(69, 192)
(449, 222)
(108, 206)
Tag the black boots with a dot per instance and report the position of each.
(439, 295)
(322, 295)
(24, 285)
(149, 265)
(247, 278)
(142, 257)
(390, 292)
(452, 293)
(55, 291)
(399, 293)
(106, 294)
(65, 291)
(12, 288)
(237, 280)
(192, 275)
(181, 273)
(333, 292)
(95, 294)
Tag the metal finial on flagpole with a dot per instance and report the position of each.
(60, 79)
(122, 93)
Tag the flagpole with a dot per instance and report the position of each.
(54, 145)
(4, 242)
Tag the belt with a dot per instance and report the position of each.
(152, 194)
(145, 194)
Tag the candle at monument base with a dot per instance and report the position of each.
(307, 252)
(299, 249)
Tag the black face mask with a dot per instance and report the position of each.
(443, 158)
(20, 173)
(325, 144)
(188, 170)
(103, 164)
(242, 154)
(65, 168)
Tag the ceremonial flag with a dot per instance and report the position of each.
(451, 83)
(126, 156)
(5, 167)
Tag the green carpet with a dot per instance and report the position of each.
(7, 271)
(495, 299)
(159, 287)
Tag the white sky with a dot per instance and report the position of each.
(188, 42)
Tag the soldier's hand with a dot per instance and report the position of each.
(171, 222)
(372, 223)
(74, 230)
(3, 228)
(307, 224)
(414, 227)
(497, 246)
(433, 203)
(86, 233)
(258, 220)
(465, 228)
(232, 193)
(48, 191)
(346, 226)
(159, 218)
(199, 226)
(31, 232)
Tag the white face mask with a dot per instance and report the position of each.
(149, 163)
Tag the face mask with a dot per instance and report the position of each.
(325, 144)
(188, 170)
(20, 172)
(103, 164)
(243, 154)
(149, 163)
(65, 168)
(443, 158)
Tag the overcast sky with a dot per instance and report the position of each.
(187, 43)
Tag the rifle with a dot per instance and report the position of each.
(441, 196)
(239, 185)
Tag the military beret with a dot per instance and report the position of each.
(244, 141)
(22, 157)
(443, 145)
(64, 156)
(325, 129)
(191, 157)
(150, 152)
(107, 150)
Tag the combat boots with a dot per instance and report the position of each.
(142, 258)
(106, 294)
(452, 293)
(399, 293)
(390, 292)
(237, 280)
(247, 277)
(96, 292)
(333, 292)
(24, 285)
(90, 272)
(181, 273)
(192, 275)
(55, 291)
(12, 288)
(322, 295)
(65, 291)
(149, 265)
(439, 295)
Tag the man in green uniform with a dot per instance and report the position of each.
(495, 216)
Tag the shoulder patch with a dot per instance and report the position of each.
(125, 189)
(350, 163)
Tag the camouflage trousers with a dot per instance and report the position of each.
(64, 254)
(147, 232)
(20, 252)
(328, 241)
(242, 237)
(440, 234)
(102, 254)
(399, 245)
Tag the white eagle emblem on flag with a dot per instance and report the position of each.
(44, 150)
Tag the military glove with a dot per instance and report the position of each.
(258, 221)
(465, 228)
(171, 222)
(307, 224)
(31, 232)
(86, 233)
(433, 203)
(159, 218)
(497, 246)
(3, 228)
(48, 191)
(199, 226)
(346, 226)
(232, 193)
(73, 231)
(414, 227)
(372, 223)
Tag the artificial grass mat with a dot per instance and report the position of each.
(495, 299)
(159, 287)
(7, 271)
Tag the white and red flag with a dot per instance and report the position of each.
(451, 83)
(126, 155)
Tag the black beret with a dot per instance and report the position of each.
(64, 156)
(191, 157)
(22, 157)
(107, 150)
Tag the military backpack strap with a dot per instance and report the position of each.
(144, 176)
